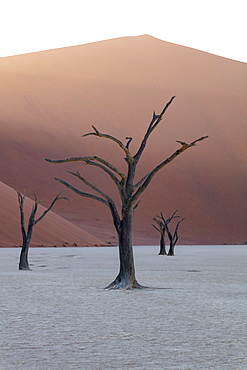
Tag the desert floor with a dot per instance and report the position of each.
(58, 316)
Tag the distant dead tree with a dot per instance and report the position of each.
(129, 192)
(27, 232)
(163, 227)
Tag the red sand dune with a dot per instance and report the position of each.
(52, 230)
(49, 99)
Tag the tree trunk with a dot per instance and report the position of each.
(126, 276)
(171, 249)
(162, 245)
(23, 263)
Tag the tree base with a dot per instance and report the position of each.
(124, 284)
(25, 268)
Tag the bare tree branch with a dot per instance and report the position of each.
(77, 191)
(193, 142)
(140, 181)
(151, 174)
(156, 228)
(50, 207)
(107, 201)
(109, 165)
(153, 124)
(110, 201)
(89, 160)
(78, 175)
(107, 170)
(137, 204)
(128, 142)
(175, 235)
(160, 227)
(106, 136)
(169, 218)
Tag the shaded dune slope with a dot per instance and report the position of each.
(52, 230)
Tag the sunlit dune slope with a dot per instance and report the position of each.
(49, 99)
(52, 230)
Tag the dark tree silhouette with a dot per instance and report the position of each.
(129, 191)
(163, 227)
(27, 232)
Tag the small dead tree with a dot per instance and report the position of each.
(161, 229)
(129, 192)
(164, 228)
(27, 232)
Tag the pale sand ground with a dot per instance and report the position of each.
(58, 316)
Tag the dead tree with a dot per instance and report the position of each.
(173, 237)
(27, 232)
(129, 191)
(161, 229)
(162, 226)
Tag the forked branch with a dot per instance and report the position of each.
(110, 137)
(153, 124)
(169, 218)
(50, 207)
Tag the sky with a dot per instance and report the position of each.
(215, 26)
